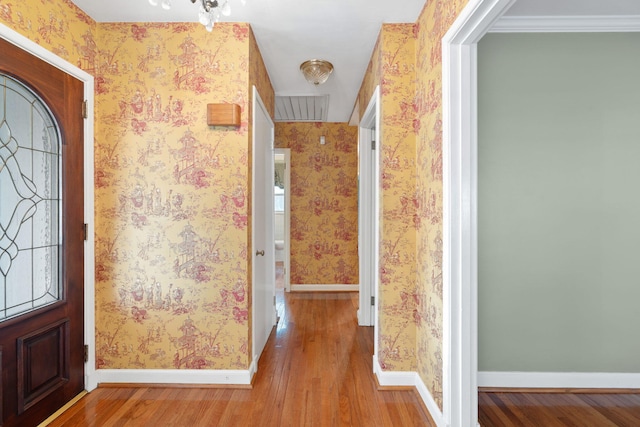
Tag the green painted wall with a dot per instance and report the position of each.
(559, 202)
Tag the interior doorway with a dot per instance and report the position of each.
(460, 194)
(368, 213)
(282, 211)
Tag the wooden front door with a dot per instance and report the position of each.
(41, 238)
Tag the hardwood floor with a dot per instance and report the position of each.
(316, 371)
(559, 410)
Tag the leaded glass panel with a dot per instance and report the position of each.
(30, 201)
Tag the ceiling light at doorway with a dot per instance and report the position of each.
(210, 10)
(316, 71)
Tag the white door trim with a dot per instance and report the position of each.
(369, 220)
(459, 92)
(38, 51)
(460, 155)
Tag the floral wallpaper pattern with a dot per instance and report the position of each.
(393, 68)
(172, 206)
(436, 18)
(172, 194)
(398, 176)
(172, 197)
(324, 201)
(258, 76)
(407, 64)
(59, 26)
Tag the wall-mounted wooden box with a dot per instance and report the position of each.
(223, 114)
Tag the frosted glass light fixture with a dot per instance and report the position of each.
(316, 71)
(210, 10)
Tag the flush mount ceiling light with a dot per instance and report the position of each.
(210, 10)
(316, 71)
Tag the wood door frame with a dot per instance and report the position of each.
(287, 216)
(43, 54)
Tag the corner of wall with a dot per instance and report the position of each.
(411, 379)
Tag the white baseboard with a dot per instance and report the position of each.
(393, 378)
(430, 402)
(253, 368)
(325, 288)
(173, 376)
(405, 379)
(90, 382)
(558, 380)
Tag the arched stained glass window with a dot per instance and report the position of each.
(30, 201)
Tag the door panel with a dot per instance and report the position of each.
(41, 238)
(262, 228)
(41, 363)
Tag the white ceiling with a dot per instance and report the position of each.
(290, 32)
(344, 32)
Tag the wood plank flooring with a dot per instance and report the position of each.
(316, 371)
(559, 410)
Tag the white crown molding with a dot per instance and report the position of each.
(558, 380)
(566, 24)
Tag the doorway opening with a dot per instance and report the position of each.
(368, 213)
(282, 211)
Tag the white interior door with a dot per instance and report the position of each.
(263, 249)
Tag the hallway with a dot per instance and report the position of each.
(316, 371)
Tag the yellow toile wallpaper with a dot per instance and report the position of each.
(398, 177)
(259, 77)
(407, 64)
(393, 68)
(59, 26)
(372, 77)
(172, 197)
(434, 21)
(324, 201)
(172, 194)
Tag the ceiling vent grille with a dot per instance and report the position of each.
(312, 108)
